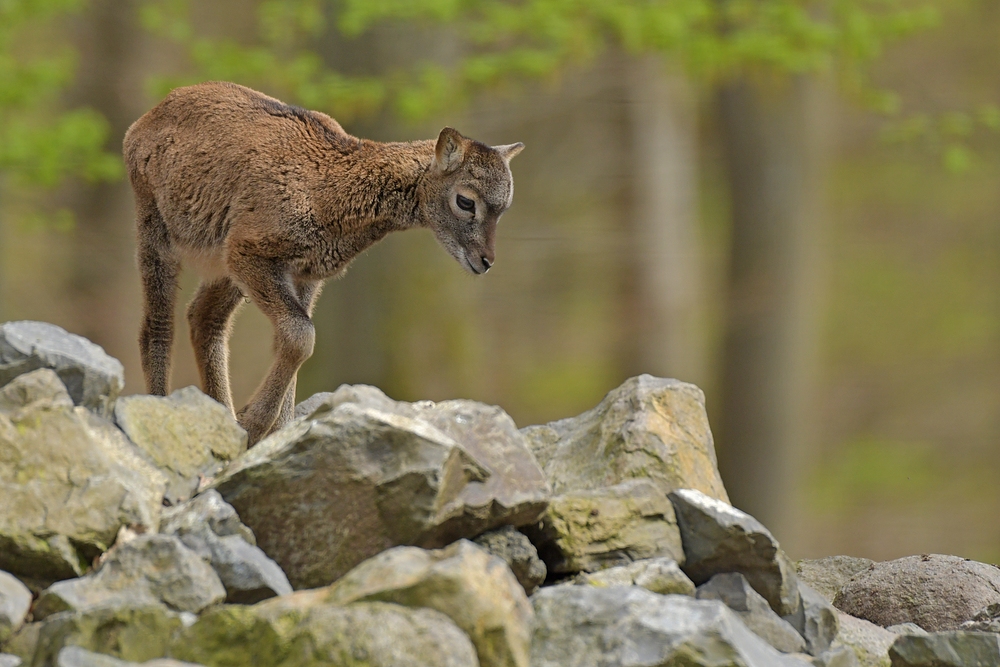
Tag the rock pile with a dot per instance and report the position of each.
(376, 533)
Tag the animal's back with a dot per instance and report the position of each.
(208, 152)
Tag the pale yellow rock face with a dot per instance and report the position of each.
(68, 481)
(650, 433)
(474, 589)
(187, 434)
(647, 428)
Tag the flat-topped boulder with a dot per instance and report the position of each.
(187, 434)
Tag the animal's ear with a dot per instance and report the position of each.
(450, 150)
(509, 151)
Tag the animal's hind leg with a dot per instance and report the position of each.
(210, 316)
(158, 270)
(308, 293)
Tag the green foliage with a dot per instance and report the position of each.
(39, 143)
(948, 134)
(502, 42)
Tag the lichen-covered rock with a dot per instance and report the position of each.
(24, 642)
(149, 570)
(210, 527)
(732, 589)
(514, 548)
(134, 634)
(827, 575)
(471, 587)
(15, 601)
(588, 530)
(74, 656)
(585, 626)
(719, 538)
(648, 428)
(815, 620)
(301, 629)
(69, 481)
(946, 649)
(659, 575)
(869, 642)
(187, 434)
(341, 485)
(92, 378)
(934, 591)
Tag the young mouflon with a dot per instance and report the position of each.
(267, 201)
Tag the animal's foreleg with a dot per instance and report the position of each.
(294, 337)
(308, 293)
(210, 316)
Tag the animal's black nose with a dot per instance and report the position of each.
(486, 262)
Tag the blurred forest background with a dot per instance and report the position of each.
(794, 204)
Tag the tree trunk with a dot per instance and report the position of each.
(774, 155)
(665, 258)
(102, 283)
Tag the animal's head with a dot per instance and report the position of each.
(463, 195)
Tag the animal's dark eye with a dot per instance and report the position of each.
(465, 203)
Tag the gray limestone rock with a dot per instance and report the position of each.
(946, 649)
(7, 660)
(934, 591)
(987, 620)
(69, 481)
(719, 538)
(354, 480)
(187, 434)
(659, 575)
(146, 571)
(827, 575)
(733, 590)
(513, 490)
(869, 642)
(471, 587)
(515, 549)
(591, 530)
(207, 509)
(210, 527)
(909, 629)
(815, 620)
(74, 656)
(15, 601)
(92, 378)
(303, 629)
(583, 626)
